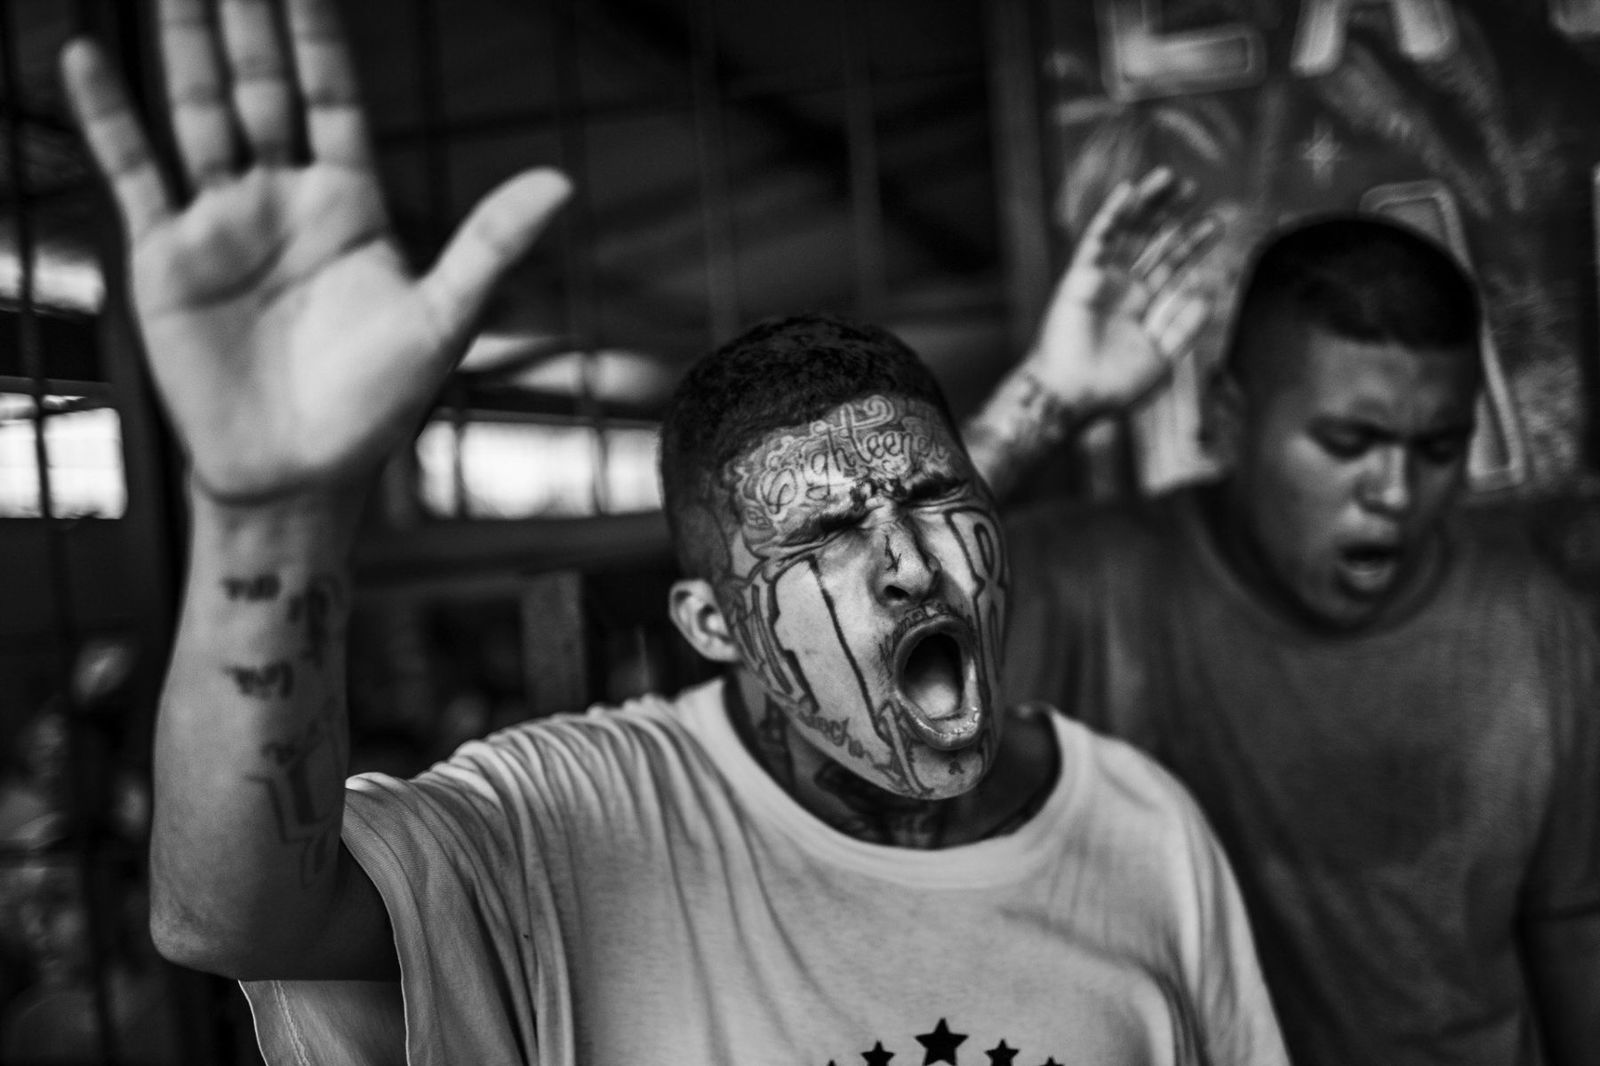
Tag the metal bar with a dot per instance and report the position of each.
(43, 120)
(577, 233)
(61, 612)
(456, 403)
(716, 203)
(866, 204)
(1019, 163)
(435, 148)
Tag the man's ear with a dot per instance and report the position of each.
(695, 612)
(1222, 418)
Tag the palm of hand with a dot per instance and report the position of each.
(1095, 339)
(284, 330)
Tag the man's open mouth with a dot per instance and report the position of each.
(936, 680)
(1370, 567)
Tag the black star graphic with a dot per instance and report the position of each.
(1002, 1055)
(877, 1056)
(941, 1044)
(1051, 1062)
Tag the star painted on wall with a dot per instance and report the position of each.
(1322, 152)
(1001, 1055)
(941, 1044)
(877, 1056)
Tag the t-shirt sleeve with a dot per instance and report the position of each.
(1237, 1022)
(1565, 875)
(449, 852)
(1210, 958)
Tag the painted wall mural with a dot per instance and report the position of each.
(1474, 121)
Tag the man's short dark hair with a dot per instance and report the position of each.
(780, 372)
(1363, 278)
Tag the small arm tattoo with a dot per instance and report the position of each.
(303, 779)
(1022, 422)
(273, 680)
(252, 589)
(313, 610)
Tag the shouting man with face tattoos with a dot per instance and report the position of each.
(1386, 707)
(849, 847)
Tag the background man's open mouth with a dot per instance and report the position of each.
(1370, 567)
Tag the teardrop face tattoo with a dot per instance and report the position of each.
(864, 582)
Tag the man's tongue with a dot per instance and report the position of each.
(932, 683)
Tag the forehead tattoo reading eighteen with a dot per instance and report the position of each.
(866, 447)
(789, 498)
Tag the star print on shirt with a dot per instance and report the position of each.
(1002, 1055)
(941, 1044)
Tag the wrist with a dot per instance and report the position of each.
(1061, 395)
(1055, 406)
(319, 524)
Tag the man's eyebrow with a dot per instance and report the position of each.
(1460, 428)
(922, 485)
(1369, 428)
(1354, 422)
(817, 520)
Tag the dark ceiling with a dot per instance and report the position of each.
(733, 161)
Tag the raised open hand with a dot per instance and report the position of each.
(289, 341)
(1128, 305)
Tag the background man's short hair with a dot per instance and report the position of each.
(1363, 278)
(780, 372)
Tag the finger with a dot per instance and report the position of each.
(1175, 321)
(1154, 185)
(499, 231)
(1156, 249)
(335, 126)
(1185, 252)
(118, 143)
(1091, 246)
(1154, 200)
(264, 95)
(202, 123)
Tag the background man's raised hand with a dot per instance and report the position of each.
(1128, 305)
(290, 342)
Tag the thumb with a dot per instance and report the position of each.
(498, 232)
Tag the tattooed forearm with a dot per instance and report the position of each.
(269, 681)
(303, 778)
(1019, 425)
(255, 588)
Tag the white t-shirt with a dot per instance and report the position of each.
(629, 886)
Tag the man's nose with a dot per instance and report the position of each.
(907, 572)
(1388, 482)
